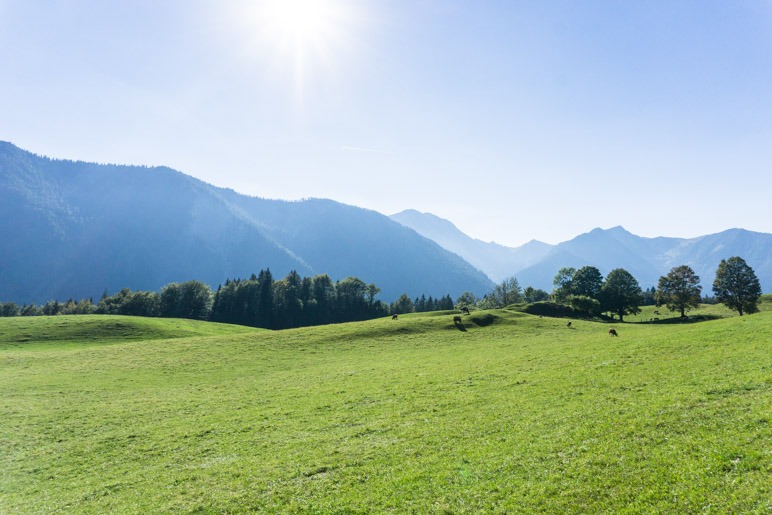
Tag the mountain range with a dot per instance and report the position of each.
(536, 263)
(72, 229)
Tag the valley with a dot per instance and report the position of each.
(505, 412)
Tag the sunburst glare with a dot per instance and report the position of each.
(306, 37)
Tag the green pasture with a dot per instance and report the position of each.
(504, 413)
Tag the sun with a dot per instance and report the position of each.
(304, 30)
(304, 22)
(306, 38)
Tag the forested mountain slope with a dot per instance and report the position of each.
(76, 229)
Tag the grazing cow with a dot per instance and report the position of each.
(568, 325)
(394, 316)
(465, 310)
(456, 319)
(612, 332)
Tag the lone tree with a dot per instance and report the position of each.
(621, 293)
(466, 299)
(736, 286)
(506, 292)
(679, 290)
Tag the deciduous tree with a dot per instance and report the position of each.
(679, 290)
(506, 292)
(466, 299)
(403, 305)
(587, 281)
(621, 293)
(736, 286)
(562, 283)
(532, 294)
(191, 299)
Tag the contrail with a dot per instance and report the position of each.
(359, 149)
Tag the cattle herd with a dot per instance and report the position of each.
(458, 320)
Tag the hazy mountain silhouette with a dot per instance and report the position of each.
(495, 260)
(535, 263)
(76, 229)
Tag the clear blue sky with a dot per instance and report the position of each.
(513, 119)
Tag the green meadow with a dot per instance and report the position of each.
(505, 413)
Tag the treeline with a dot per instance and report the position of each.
(404, 304)
(296, 301)
(259, 301)
(585, 290)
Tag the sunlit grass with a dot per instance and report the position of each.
(506, 413)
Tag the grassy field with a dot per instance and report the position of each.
(506, 413)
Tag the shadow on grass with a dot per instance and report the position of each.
(684, 320)
(459, 325)
(484, 320)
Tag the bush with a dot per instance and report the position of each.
(483, 320)
(585, 304)
(553, 309)
(9, 309)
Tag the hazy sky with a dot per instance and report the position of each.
(513, 119)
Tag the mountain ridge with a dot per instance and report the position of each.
(78, 229)
(645, 258)
(73, 229)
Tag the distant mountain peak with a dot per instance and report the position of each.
(535, 263)
(617, 229)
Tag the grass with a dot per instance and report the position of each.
(63, 331)
(506, 413)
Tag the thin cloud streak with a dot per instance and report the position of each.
(360, 149)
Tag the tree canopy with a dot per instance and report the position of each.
(562, 283)
(736, 286)
(679, 290)
(505, 293)
(587, 281)
(621, 293)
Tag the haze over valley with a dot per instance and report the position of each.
(78, 230)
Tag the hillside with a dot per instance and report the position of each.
(75, 229)
(504, 412)
(536, 263)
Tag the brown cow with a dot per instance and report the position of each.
(612, 332)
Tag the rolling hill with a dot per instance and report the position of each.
(504, 413)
